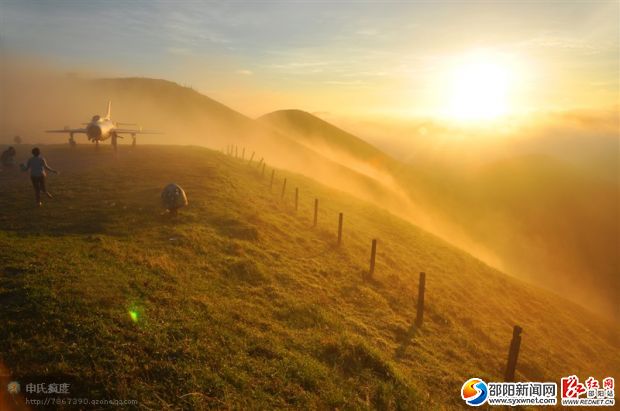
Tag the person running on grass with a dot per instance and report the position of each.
(38, 166)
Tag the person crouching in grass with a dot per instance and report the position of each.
(38, 167)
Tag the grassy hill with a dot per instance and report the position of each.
(314, 131)
(532, 212)
(178, 106)
(240, 303)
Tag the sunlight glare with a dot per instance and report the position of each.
(478, 88)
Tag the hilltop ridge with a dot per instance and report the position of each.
(314, 130)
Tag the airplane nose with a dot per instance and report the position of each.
(93, 131)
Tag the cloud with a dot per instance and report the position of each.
(559, 41)
(244, 72)
(297, 64)
(367, 32)
(178, 50)
(345, 83)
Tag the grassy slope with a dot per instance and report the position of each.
(550, 221)
(180, 105)
(311, 130)
(241, 303)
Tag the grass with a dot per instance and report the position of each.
(239, 303)
(544, 218)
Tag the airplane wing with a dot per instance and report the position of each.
(130, 131)
(68, 130)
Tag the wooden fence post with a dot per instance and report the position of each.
(513, 354)
(273, 172)
(243, 154)
(373, 253)
(420, 311)
(236, 151)
(340, 217)
(296, 198)
(316, 212)
(263, 173)
(260, 162)
(251, 158)
(283, 188)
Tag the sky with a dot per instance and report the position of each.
(345, 57)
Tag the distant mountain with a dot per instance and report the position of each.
(310, 129)
(182, 103)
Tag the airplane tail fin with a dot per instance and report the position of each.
(109, 114)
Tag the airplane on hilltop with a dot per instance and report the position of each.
(101, 129)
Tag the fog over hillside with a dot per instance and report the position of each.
(540, 203)
(539, 200)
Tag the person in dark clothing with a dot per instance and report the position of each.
(38, 167)
(7, 159)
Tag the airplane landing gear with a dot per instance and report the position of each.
(72, 142)
(115, 142)
(133, 141)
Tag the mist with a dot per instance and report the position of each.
(540, 194)
(538, 199)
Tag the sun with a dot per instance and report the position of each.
(477, 88)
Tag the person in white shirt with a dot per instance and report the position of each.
(38, 167)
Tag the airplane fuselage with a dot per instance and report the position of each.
(103, 128)
(100, 129)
